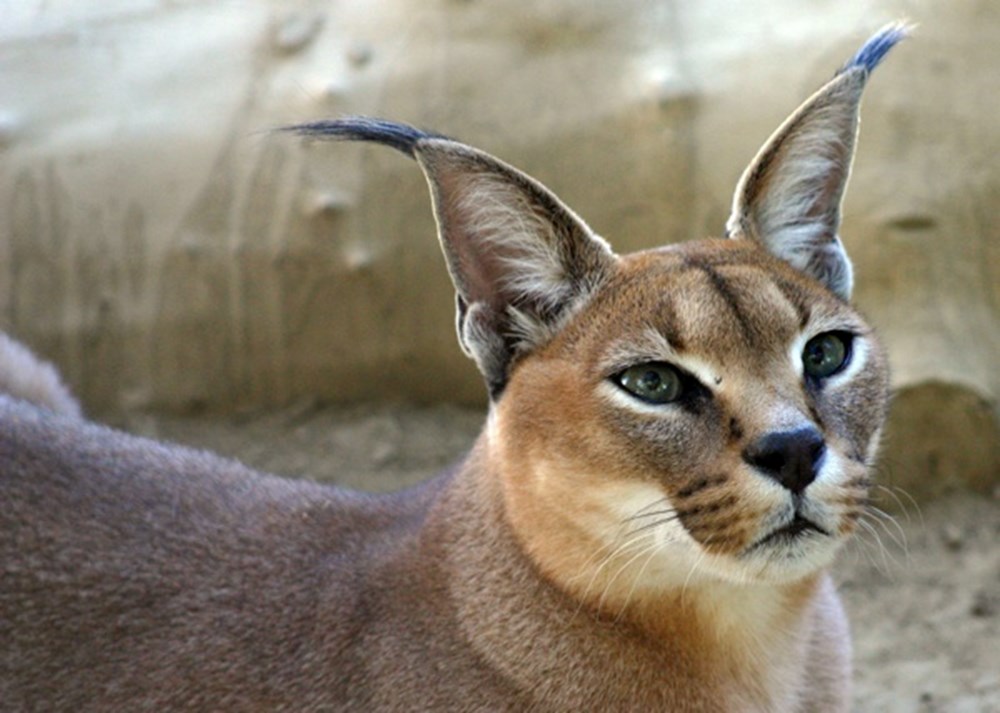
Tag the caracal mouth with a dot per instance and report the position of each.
(795, 532)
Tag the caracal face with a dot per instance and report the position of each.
(617, 495)
(674, 418)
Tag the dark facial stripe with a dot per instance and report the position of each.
(797, 298)
(701, 484)
(666, 324)
(728, 296)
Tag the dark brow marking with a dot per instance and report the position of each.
(796, 297)
(728, 295)
(665, 322)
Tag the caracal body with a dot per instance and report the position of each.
(679, 441)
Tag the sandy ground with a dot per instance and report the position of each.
(923, 593)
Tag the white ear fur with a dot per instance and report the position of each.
(520, 259)
(499, 217)
(789, 197)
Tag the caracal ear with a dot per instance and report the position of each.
(789, 197)
(520, 259)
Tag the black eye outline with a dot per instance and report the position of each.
(842, 344)
(628, 380)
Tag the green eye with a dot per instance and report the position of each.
(654, 382)
(826, 354)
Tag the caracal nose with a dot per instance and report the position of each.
(790, 457)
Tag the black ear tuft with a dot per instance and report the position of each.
(401, 137)
(789, 196)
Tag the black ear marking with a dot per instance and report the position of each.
(402, 137)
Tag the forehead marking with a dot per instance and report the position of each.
(794, 294)
(728, 295)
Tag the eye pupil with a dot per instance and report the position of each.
(826, 354)
(653, 383)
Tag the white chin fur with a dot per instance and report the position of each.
(786, 562)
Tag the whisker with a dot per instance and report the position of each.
(865, 545)
(597, 553)
(633, 558)
(883, 483)
(881, 546)
(902, 507)
(687, 579)
(639, 516)
(913, 502)
(618, 548)
(620, 531)
(652, 549)
(636, 537)
(876, 524)
(651, 525)
(885, 519)
(646, 507)
(621, 547)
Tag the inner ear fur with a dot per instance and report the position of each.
(521, 260)
(789, 197)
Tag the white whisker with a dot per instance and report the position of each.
(884, 519)
(687, 579)
(902, 491)
(881, 546)
(633, 558)
(652, 550)
(620, 549)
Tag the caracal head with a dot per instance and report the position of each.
(697, 412)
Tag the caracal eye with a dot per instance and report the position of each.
(826, 354)
(655, 382)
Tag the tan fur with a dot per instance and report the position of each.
(593, 552)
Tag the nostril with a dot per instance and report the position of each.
(792, 458)
(772, 461)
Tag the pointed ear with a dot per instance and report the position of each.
(520, 259)
(790, 195)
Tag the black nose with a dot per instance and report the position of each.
(790, 457)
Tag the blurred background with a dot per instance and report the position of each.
(183, 265)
